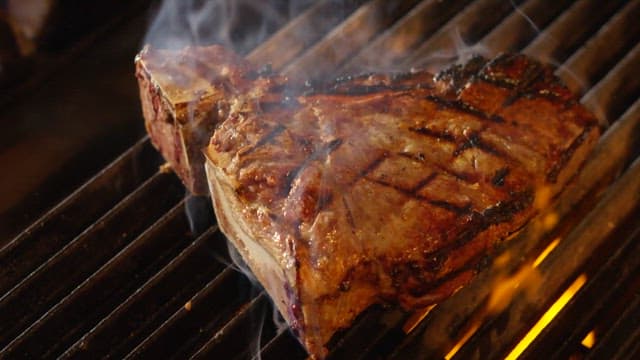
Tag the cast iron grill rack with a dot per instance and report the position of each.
(119, 268)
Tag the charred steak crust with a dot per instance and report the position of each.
(390, 188)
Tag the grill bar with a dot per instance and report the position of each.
(186, 331)
(283, 343)
(382, 327)
(623, 338)
(160, 296)
(302, 32)
(591, 62)
(616, 90)
(390, 48)
(82, 208)
(626, 329)
(465, 28)
(344, 41)
(570, 29)
(231, 341)
(52, 280)
(622, 341)
(519, 28)
(104, 289)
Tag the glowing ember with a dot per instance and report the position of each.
(527, 278)
(416, 318)
(472, 330)
(543, 197)
(589, 340)
(546, 252)
(547, 317)
(549, 221)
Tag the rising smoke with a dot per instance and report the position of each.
(238, 24)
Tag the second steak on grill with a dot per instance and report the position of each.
(185, 94)
(389, 188)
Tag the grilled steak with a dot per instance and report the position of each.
(185, 93)
(389, 188)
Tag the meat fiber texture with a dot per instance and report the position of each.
(389, 188)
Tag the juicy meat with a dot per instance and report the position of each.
(185, 94)
(390, 188)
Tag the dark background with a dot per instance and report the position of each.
(72, 106)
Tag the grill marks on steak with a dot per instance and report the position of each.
(389, 187)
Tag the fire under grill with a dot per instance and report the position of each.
(119, 268)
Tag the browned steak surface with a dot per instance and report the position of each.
(390, 188)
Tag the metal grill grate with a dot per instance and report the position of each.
(116, 269)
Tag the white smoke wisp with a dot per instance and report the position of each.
(258, 318)
(198, 212)
(452, 49)
(238, 264)
(573, 80)
(520, 12)
(238, 24)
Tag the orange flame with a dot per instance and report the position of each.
(472, 330)
(546, 318)
(589, 340)
(527, 279)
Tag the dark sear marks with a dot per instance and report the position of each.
(352, 223)
(501, 212)
(475, 141)
(433, 133)
(525, 84)
(319, 154)
(472, 140)
(533, 73)
(457, 76)
(368, 169)
(421, 157)
(464, 107)
(437, 203)
(424, 182)
(433, 261)
(366, 84)
(499, 177)
(277, 130)
(371, 89)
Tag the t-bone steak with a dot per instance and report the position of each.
(390, 188)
